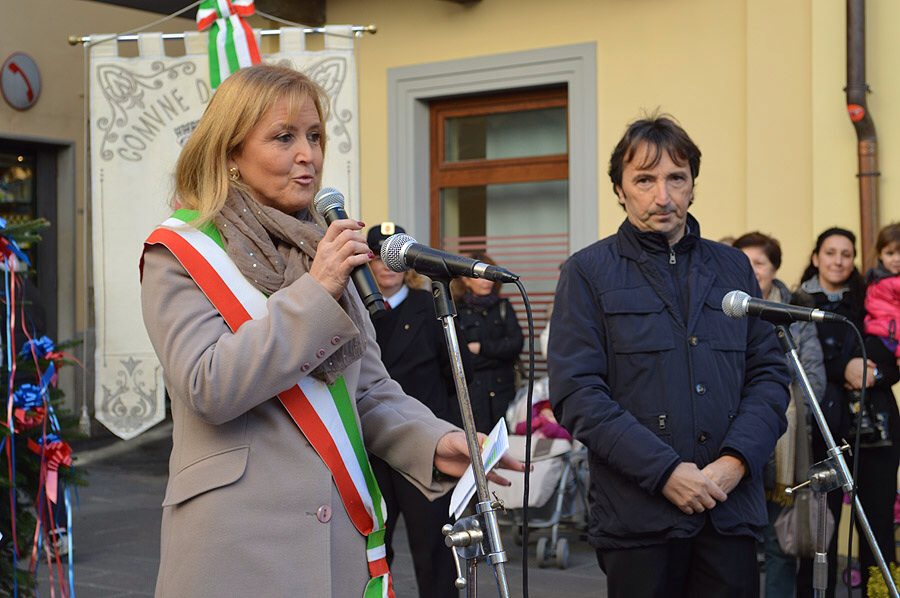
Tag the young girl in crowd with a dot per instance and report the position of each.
(883, 291)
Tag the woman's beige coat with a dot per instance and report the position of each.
(250, 508)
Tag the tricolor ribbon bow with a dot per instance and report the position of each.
(9, 248)
(232, 44)
(57, 452)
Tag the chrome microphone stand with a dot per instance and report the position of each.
(827, 475)
(476, 537)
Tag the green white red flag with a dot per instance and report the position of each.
(232, 44)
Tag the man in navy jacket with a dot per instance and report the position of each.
(679, 405)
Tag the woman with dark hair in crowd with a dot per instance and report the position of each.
(835, 285)
(491, 332)
(789, 464)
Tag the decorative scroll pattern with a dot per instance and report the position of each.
(125, 93)
(133, 399)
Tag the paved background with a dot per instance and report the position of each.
(118, 517)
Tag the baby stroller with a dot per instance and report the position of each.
(558, 487)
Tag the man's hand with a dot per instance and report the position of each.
(451, 457)
(726, 472)
(691, 491)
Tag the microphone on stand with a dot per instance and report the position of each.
(329, 203)
(401, 252)
(738, 304)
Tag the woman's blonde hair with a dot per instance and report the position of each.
(201, 174)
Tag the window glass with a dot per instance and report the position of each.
(506, 135)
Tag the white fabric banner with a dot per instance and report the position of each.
(142, 110)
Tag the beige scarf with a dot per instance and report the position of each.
(272, 250)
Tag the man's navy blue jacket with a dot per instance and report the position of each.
(644, 391)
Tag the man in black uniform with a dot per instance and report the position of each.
(415, 354)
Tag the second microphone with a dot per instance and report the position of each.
(401, 252)
(329, 203)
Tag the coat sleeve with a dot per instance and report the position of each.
(222, 374)
(396, 427)
(580, 393)
(810, 352)
(760, 418)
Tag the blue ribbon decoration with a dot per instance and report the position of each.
(28, 396)
(42, 346)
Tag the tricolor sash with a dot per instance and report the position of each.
(324, 413)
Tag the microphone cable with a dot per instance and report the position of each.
(528, 418)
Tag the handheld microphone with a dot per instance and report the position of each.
(738, 304)
(329, 203)
(401, 252)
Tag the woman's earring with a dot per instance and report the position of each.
(234, 174)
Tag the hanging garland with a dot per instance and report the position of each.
(37, 525)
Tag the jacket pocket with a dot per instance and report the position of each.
(636, 321)
(211, 472)
(724, 333)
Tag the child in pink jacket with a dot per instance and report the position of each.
(883, 291)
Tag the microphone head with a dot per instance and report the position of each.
(393, 251)
(328, 198)
(734, 304)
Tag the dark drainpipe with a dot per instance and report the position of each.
(867, 142)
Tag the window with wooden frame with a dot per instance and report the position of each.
(499, 184)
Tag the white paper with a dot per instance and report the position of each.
(495, 447)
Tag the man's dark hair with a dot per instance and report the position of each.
(769, 245)
(660, 132)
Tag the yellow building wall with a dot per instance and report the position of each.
(758, 84)
(41, 29)
(835, 188)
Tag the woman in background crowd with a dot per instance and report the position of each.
(790, 462)
(836, 285)
(492, 334)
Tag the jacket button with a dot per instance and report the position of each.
(305, 367)
(320, 353)
(701, 438)
(406, 327)
(492, 393)
(693, 341)
(323, 514)
(701, 389)
(335, 340)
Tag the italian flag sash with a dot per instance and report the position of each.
(324, 414)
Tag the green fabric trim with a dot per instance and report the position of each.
(209, 229)
(375, 588)
(214, 77)
(345, 410)
(230, 51)
(375, 539)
